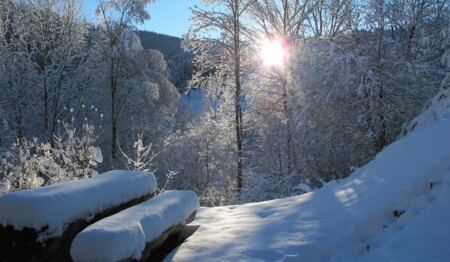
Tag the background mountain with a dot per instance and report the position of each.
(179, 61)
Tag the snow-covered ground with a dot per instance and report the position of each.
(125, 234)
(54, 207)
(396, 208)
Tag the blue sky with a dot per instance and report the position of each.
(170, 17)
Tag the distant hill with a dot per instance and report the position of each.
(168, 45)
(179, 61)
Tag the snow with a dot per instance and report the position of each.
(96, 153)
(125, 234)
(396, 208)
(437, 109)
(58, 205)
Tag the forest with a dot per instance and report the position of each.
(295, 93)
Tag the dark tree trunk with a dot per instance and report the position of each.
(113, 112)
(238, 94)
(380, 139)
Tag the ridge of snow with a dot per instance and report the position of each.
(437, 108)
(58, 205)
(126, 233)
(424, 237)
(396, 203)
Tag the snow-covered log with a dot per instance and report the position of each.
(40, 223)
(136, 232)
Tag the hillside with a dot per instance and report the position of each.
(167, 45)
(393, 209)
(178, 61)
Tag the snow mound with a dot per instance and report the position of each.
(438, 108)
(56, 206)
(396, 208)
(126, 233)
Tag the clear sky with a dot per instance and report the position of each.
(170, 17)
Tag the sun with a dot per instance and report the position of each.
(273, 52)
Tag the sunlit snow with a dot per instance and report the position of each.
(396, 208)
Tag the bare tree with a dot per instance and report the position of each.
(221, 55)
(330, 18)
(285, 18)
(57, 35)
(283, 21)
(115, 16)
(47, 36)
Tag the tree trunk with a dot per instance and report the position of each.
(113, 112)
(289, 131)
(45, 104)
(380, 139)
(238, 91)
(56, 103)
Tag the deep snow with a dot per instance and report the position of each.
(396, 208)
(58, 205)
(125, 234)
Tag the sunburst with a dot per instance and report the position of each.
(273, 52)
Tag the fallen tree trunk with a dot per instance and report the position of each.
(24, 245)
(39, 224)
(152, 250)
(135, 234)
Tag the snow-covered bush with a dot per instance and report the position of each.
(77, 154)
(217, 196)
(202, 155)
(18, 168)
(266, 186)
(143, 156)
(30, 164)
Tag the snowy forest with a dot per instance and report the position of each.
(294, 93)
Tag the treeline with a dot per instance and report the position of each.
(354, 73)
(70, 91)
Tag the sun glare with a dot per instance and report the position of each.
(273, 52)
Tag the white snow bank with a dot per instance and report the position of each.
(58, 205)
(125, 234)
(425, 238)
(396, 208)
(436, 109)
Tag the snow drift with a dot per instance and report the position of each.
(396, 208)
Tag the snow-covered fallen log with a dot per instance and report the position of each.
(137, 231)
(40, 223)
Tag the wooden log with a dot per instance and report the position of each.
(23, 245)
(137, 233)
(39, 224)
(152, 250)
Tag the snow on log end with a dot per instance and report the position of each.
(125, 234)
(56, 206)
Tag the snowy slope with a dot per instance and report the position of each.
(58, 205)
(126, 233)
(396, 208)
